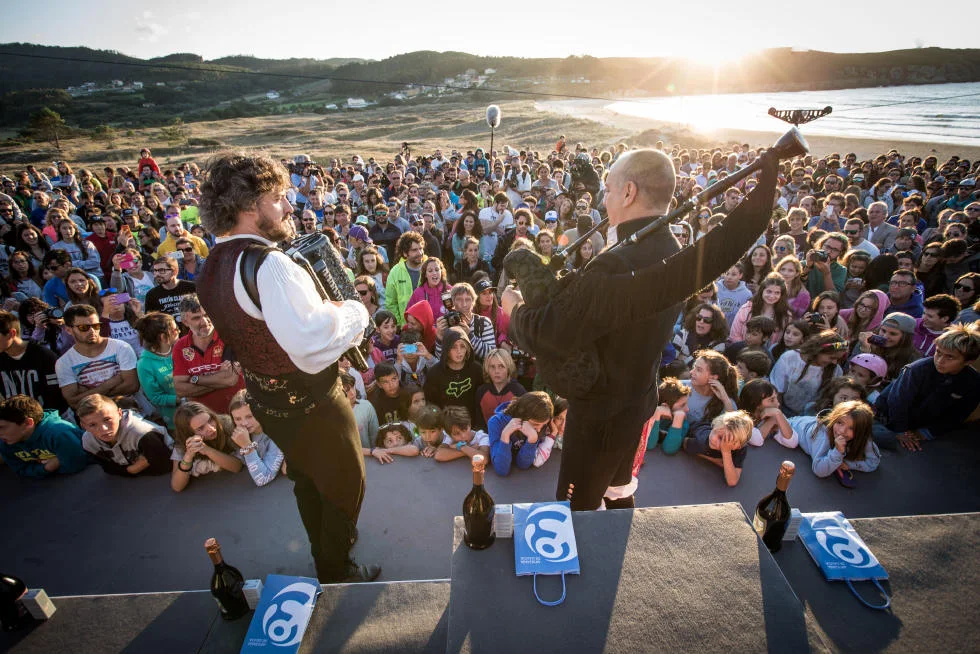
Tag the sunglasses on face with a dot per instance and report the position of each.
(851, 232)
(86, 328)
(706, 319)
(363, 292)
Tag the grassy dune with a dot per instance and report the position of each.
(379, 132)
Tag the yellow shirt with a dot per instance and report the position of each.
(170, 245)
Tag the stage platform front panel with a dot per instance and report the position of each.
(656, 580)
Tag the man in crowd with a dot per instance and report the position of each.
(168, 292)
(26, 367)
(854, 231)
(176, 230)
(881, 233)
(95, 364)
(405, 276)
(203, 367)
(383, 233)
(822, 271)
(903, 296)
(58, 263)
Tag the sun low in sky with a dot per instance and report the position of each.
(706, 31)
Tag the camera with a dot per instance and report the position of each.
(821, 256)
(522, 360)
(54, 313)
(453, 317)
(814, 318)
(877, 339)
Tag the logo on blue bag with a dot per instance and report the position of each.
(837, 542)
(285, 619)
(548, 533)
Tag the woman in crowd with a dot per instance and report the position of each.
(856, 262)
(867, 313)
(760, 400)
(782, 247)
(370, 264)
(897, 331)
(432, 284)
(704, 328)
(83, 253)
(204, 235)
(158, 332)
(156, 208)
(82, 289)
(840, 441)
(487, 306)
(31, 240)
(262, 457)
(768, 300)
(756, 264)
(468, 226)
(700, 225)
(825, 313)
(964, 289)
(929, 270)
(544, 244)
(368, 293)
(799, 374)
(24, 277)
(879, 271)
(582, 255)
(880, 193)
(471, 263)
(714, 387)
(202, 444)
(798, 296)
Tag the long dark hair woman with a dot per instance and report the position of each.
(31, 240)
(202, 444)
(704, 328)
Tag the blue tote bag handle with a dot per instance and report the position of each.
(879, 607)
(555, 602)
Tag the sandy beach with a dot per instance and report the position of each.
(671, 133)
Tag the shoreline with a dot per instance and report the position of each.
(670, 133)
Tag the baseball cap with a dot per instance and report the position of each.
(900, 321)
(358, 232)
(362, 220)
(551, 217)
(969, 182)
(357, 178)
(482, 284)
(872, 362)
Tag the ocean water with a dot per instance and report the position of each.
(928, 113)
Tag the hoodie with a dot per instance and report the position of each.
(912, 306)
(519, 451)
(826, 459)
(731, 301)
(135, 437)
(422, 311)
(52, 437)
(445, 386)
(845, 314)
(431, 295)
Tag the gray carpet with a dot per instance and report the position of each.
(652, 580)
(92, 533)
(934, 580)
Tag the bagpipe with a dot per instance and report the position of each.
(314, 254)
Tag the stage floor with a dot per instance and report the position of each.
(94, 534)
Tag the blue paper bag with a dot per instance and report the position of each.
(282, 615)
(840, 553)
(544, 543)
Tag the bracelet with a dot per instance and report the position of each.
(180, 466)
(459, 446)
(248, 448)
(372, 451)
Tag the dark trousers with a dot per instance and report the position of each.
(323, 457)
(598, 453)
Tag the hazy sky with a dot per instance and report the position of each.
(381, 28)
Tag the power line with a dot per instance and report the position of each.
(400, 83)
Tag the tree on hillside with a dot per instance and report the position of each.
(49, 125)
(175, 133)
(106, 134)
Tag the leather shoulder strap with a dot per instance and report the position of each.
(248, 267)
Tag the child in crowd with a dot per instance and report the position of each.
(202, 444)
(866, 314)
(839, 441)
(557, 429)
(387, 399)
(835, 391)
(868, 370)
(38, 443)
(761, 401)
(938, 312)
(769, 300)
(454, 380)
(825, 313)
(122, 441)
(758, 334)
(501, 388)
(385, 341)
(364, 413)
(413, 399)
(753, 364)
(791, 270)
(732, 292)
(263, 458)
(799, 374)
(932, 396)
(428, 422)
(714, 385)
(668, 425)
(723, 441)
(393, 439)
(518, 429)
(412, 359)
(897, 330)
(793, 336)
(462, 440)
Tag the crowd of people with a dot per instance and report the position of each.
(851, 324)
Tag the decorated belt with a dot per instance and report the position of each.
(279, 397)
